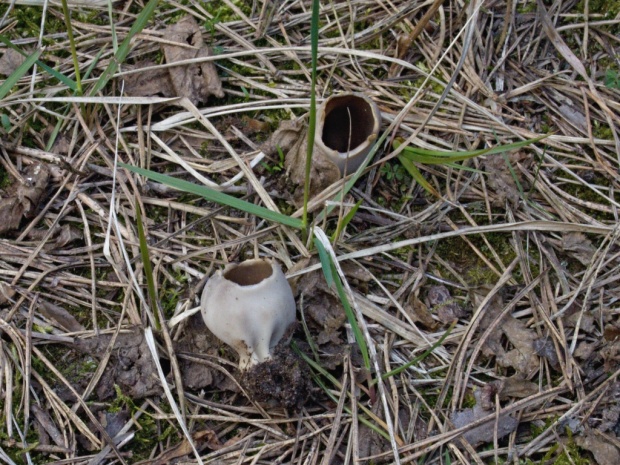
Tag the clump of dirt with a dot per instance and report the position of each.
(282, 380)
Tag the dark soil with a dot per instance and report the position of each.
(283, 380)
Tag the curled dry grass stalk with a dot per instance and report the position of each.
(525, 244)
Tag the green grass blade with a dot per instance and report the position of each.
(439, 157)
(346, 220)
(148, 271)
(456, 166)
(326, 264)
(420, 357)
(93, 64)
(70, 83)
(357, 332)
(123, 50)
(76, 63)
(331, 275)
(218, 197)
(417, 175)
(22, 69)
(314, 46)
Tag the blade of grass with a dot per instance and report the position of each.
(70, 83)
(148, 271)
(439, 157)
(22, 69)
(314, 46)
(346, 220)
(76, 63)
(324, 258)
(118, 58)
(331, 274)
(417, 175)
(218, 197)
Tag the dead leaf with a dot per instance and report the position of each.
(196, 81)
(585, 320)
(10, 61)
(604, 452)
(66, 235)
(485, 432)
(584, 350)
(22, 199)
(60, 315)
(253, 125)
(611, 332)
(545, 348)
(149, 82)
(501, 182)
(196, 342)
(6, 293)
(206, 438)
(580, 245)
(113, 421)
(441, 301)
(523, 357)
(570, 113)
(322, 309)
(420, 313)
(517, 386)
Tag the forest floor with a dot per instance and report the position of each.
(515, 254)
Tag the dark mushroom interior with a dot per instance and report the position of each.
(348, 123)
(248, 274)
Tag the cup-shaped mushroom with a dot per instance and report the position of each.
(249, 306)
(347, 126)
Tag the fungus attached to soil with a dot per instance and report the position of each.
(250, 306)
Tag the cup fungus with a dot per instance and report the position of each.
(249, 306)
(347, 126)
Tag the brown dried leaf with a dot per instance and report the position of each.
(10, 61)
(517, 386)
(420, 313)
(523, 357)
(485, 432)
(196, 81)
(501, 181)
(206, 438)
(580, 245)
(604, 452)
(22, 199)
(441, 301)
(545, 348)
(66, 235)
(6, 293)
(196, 341)
(149, 82)
(60, 315)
